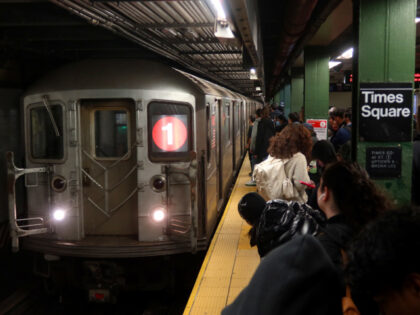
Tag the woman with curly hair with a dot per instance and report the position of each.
(349, 200)
(289, 151)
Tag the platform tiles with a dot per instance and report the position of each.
(230, 262)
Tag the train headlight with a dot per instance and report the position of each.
(158, 183)
(158, 215)
(59, 214)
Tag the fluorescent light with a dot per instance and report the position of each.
(258, 88)
(417, 20)
(222, 29)
(332, 64)
(348, 54)
(219, 9)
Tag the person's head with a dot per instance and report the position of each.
(251, 118)
(384, 262)
(310, 128)
(345, 188)
(292, 139)
(265, 112)
(347, 116)
(324, 153)
(338, 115)
(250, 207)
(293, 117)
(281, 119)
(258, 112)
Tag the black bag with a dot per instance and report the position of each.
(281, 220)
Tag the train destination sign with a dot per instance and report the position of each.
(383, 162)
(170, 133)
(385, 111)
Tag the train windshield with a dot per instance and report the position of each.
(46, 140)
(111, 136)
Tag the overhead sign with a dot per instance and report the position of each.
(385, 111)
(170, 133)
(383, 162)
(320, 127)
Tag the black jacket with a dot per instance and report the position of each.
(336, 235)
(264, 132)
(295, 278)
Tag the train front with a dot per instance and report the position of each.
(111, 170)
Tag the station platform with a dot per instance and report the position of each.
(230, 262)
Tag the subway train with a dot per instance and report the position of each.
(125, 159)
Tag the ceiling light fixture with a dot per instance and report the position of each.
(332, 64)
(348, 54)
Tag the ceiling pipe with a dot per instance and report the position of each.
(323, 10)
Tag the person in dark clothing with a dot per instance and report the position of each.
(295, 278)
(343, 133)
(349, 200)
(248, 141)
(281, 123)
(294, 118)
(250, 208)
(264, 133)
(323, 152)
(384, 262)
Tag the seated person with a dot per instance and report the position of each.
(384, 262)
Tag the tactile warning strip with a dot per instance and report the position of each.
(230, 261)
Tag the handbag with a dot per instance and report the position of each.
(272, 181)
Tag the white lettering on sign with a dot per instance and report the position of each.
(169, 132)
(373, 98)
(378, 113)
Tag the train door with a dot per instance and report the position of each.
(236, 136)
(109, 165)
(212, 175)
(220, 149)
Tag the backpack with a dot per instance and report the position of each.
(272, 181)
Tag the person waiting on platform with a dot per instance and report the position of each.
(294, 118)
(343, 133)
(349, 200)
(282, 174)
(384, 262)
(264, 133)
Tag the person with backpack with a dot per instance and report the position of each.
(281, 175)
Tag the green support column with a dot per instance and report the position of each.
(296, 86)
(277, 98)
(317, 83)
(287, 99)
(386, 54)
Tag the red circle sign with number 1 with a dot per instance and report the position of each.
(169, 133)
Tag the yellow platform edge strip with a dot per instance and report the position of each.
(197, 284)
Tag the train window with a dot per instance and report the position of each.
(46, 132)
(170, 131)
(111, 133)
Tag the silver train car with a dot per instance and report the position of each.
(125, 159)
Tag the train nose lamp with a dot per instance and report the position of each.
(59, 214)
(158, 215)
(158, 183)
(58, 183)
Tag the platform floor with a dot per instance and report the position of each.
(230, 262)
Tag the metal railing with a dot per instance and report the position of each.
(30, 226)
